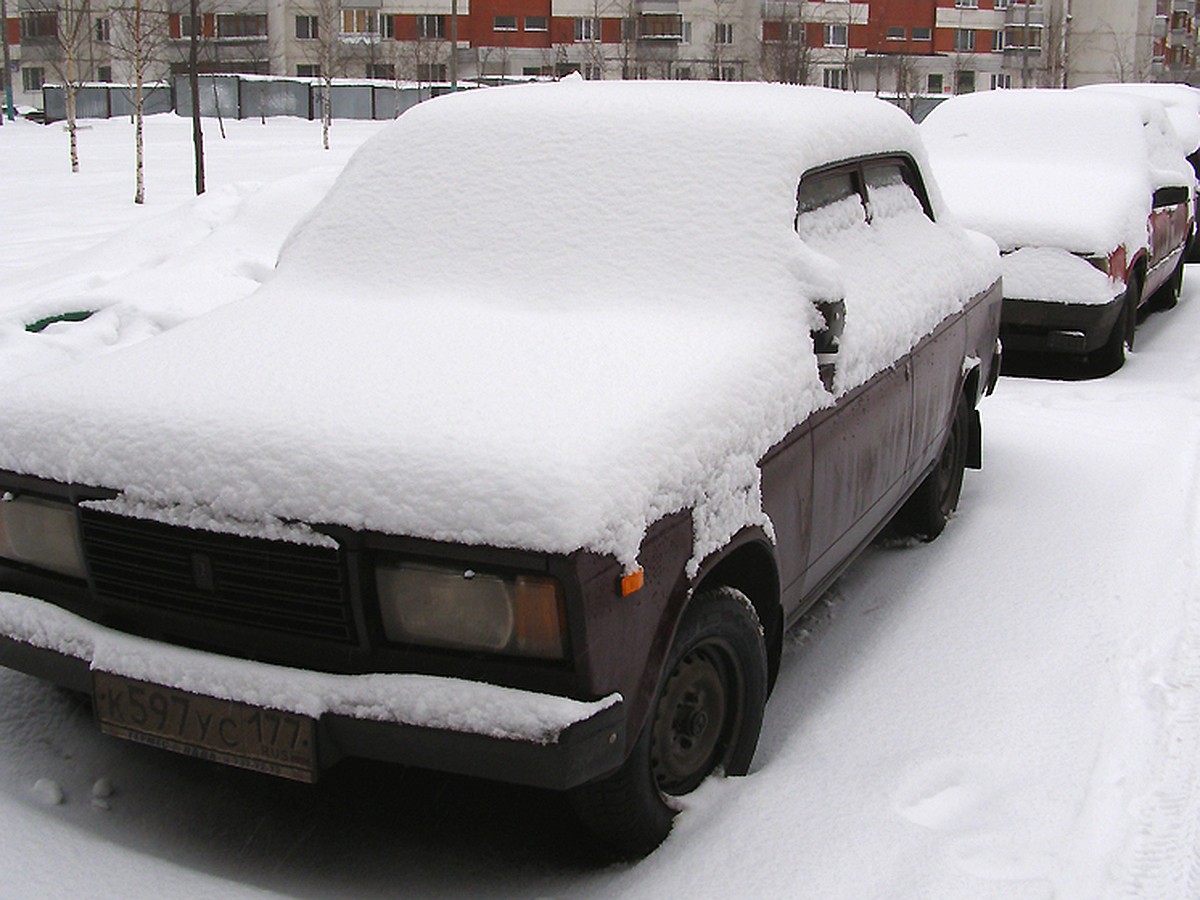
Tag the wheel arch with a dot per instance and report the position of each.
(748, 564)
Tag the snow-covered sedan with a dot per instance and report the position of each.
(559, 409)
(1088, 195)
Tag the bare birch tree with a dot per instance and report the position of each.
(72, 32)
(329, 56)
(787, 58)
(139, 36)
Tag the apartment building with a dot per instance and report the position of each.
(906, 48)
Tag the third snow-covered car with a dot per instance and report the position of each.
(563, 404)
(1088, 196)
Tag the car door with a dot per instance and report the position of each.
(894, 184)
(860, 447)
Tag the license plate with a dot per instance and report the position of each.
(223, 731)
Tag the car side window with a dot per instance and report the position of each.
(829, 201)
(1170, 196)
(893, 189)
(890, 189)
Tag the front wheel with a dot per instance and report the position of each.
(1110, 357)
(706, 717)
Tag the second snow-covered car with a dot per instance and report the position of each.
(564, 403)
(1088, 196)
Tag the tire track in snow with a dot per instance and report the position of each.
(1162, 859)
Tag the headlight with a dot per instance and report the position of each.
(521, 615)
(41, 533)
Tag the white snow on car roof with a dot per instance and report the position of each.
(539, 317)
(1181, 101)
(1054, 168)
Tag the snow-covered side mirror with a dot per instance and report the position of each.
(826, 337)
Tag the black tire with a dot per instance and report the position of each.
(1167, 296)
(706, 717)
(1111, 356)
(928, 510)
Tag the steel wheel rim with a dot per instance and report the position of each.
(695, 717)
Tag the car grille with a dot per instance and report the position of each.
(290, 589)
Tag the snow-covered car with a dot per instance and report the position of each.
(1088, 195)
(1182, 103)
(559, 409)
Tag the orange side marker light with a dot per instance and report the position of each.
(632, 582)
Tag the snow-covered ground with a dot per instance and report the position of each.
(1011, 711)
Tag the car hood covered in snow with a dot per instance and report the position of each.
(537, 317)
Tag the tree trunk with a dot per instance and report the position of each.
(71, 130)
(139, 71)
(194, 87)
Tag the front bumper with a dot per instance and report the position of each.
(435, 722)
(1040, 326)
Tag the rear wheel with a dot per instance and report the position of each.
(928, 510)
(706, 717)
(1167, 296)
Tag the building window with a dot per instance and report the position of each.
(1016, 37)
(1001, 81)
(966, 4)
(536, 23)
(836, 78)
(662, 27)
(682, 73)
(504, 23)
(997, 41)
(964, 40)
(964, 82)
(308, 71)
(723, 33)
(241, 25)
(32, 78)
(431, 27)
(307, 28)
(189, 26)
(934, 83)
(897, 33)
(922, 34)
(360, 21)
(38, 25)
(431, 72)
(727, 73)
(104, 74)
(587, 29)
(387, 26)
(685, 33)
(384, 71)
(102, 31)
(836, 36)
(1000, 4)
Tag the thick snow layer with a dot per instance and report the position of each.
(1053, 168)
(1181, 101)
(443, 703)
(145, 269)
(1009, 712)
(1056, 276)
(418, 365)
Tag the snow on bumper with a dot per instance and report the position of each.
(364, 713)
(1052, 275)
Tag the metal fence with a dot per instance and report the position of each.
(243, 97)
(104, 101)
